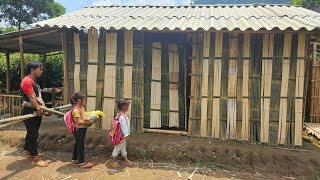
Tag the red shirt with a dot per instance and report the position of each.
(27, 85)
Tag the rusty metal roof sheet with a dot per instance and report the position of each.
(193, 17)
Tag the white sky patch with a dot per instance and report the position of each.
(140, 2)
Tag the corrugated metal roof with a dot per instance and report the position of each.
(230, 17)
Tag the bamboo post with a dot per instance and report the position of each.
(216, 86)
(299, 89)
(8, 73)
(22, 63)
(65, 69)
(313, 82)
(267, 54)
(284, 89)
(205, 81)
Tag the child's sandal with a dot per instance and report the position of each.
(115, 164)
(87, 165)
(129, 163)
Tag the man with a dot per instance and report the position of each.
(31, 93)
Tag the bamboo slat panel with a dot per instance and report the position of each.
(315, 87)
(196, 79)
(245, 88)
(77, 62)
(165, 83)
(128, 60)
(192, 88)
(205, 81)
(276, 88)
(83, 61)
(92, 68)
(70, 63)
(290, 126)
(211, 83)
(155, 112)
(137, 113)
(255, 86)
(284, 89)
(173, 86)
(110, 79)
(300, 76)
(224, 86)
(268, 43)
(216, 86)
(232, 87)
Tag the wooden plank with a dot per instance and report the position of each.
(8, 73)
(284, 89)
(155, 112)
(70, 62)
(299, 89)
(204, 88)
(109, 79)
(128, 60)
(92, 69)
(245, 89)
(76, 78)
(65, 70)
(173, 86)
(268, 42)
(217, 86)
(232, 87)
(22, 61)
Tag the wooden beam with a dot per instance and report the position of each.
(21, 57)
(39, 43)
(8, 73)
(65, 70)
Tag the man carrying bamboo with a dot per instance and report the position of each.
(31, 93)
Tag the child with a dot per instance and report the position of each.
(123, 106)
(81, 123)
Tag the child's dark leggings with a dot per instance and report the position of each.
(78, 150)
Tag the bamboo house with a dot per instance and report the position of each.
(222, 71)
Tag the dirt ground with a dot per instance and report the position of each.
(170, 153)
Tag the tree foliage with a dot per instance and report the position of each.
(52, 75)
(19, 12)
(309, 4)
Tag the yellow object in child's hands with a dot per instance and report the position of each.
(92, 115)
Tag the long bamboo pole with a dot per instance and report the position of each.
(21, 57)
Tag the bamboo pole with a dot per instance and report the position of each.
(192, 87)
(65, 69)
(313, 81)
(165, 131)
(22, 63)
(77, 62)
(173, 86)
(8, 73)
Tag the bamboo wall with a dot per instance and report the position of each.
(255, 88)
(242, 86)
